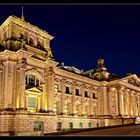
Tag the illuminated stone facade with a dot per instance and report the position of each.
(38, 96)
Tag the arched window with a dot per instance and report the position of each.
(32, 80)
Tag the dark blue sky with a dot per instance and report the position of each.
(83, 33)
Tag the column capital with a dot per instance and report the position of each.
(22, 64)
(120, 87)
(49, 71)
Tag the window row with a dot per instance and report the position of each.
(38, 125)
(77, 93)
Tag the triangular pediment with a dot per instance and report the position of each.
(34, 89)
(132, 80)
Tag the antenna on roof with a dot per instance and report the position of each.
(22, 14)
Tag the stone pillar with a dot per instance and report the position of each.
(73, 97)
(134, 103)
(109, 100)
(49, 76)
(137, 104)
(125, 101)
(9, 84)
(83, 98)
(105, 102)
(91, 102)
(1, 85)
(43, 99)
(131, 103)
(22, 100)
(116, 102)
(121, 103)
(63, 87)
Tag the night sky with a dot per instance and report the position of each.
(83, 33)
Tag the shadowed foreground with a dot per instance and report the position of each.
(122, 130)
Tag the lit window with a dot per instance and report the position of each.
(86, 110)
(38, 125)
(32, 80)
(66, 109)
(31, 102)
(56, 88)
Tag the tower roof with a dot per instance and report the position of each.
(25, 25)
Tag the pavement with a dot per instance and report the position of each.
(133, 130)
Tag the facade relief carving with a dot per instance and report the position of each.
(49, 72)
(22, 64)
(134, 82)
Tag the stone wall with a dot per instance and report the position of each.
(23, 124)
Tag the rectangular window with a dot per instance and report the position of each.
(70, 125)
(59, 125)
(37, 125)
(32, 80)
(77, 92)
(67, 90)
(94, 96)
(81, 125)
(89, 125)
(31, 102)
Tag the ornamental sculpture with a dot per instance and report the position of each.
(133, 82)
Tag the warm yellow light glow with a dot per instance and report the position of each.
(17, 102)
(55, 88)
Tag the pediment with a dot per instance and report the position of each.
(132, 80)
(33, 91)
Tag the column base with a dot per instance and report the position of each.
(50, 112)
(62, 113)
(8, 109)
(21, 109)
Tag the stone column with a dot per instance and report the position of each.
(49, 76)
(139, 103)
(1, 85)
(136, 104)
(116, 102)
(109, 100)
(128, 102)
(125, 101)
(131, 103)
(105, 102)
(73, 97)
(43, 99)
(82, 100)
(63, 87)
(22, 100)
(8, 82)
(91, 102)
(121, 103)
